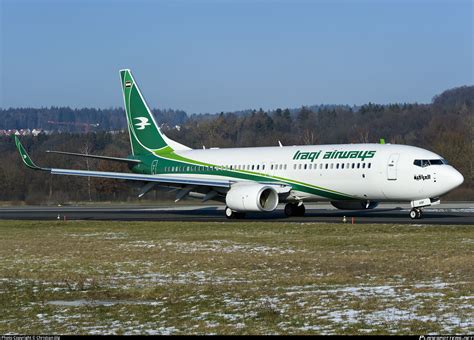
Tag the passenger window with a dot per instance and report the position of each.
(284, 167)
(332, 165)
(258, 166)
(342, 166)
(363, 165)
(368, 166)
(337, 166)
(358, 165)
(294, 166)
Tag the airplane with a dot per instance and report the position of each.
(257, 179)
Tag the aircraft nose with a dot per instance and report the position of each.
(456, 178)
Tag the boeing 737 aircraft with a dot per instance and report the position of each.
(350, 176)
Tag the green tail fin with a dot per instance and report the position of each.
(145, 135)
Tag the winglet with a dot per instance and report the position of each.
(25, 157)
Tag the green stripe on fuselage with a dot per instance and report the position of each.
(171, 159)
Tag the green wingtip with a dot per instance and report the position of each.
(24, 155)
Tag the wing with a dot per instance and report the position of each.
(165, 179)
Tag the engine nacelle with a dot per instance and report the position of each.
(354, 205)
(251, 197)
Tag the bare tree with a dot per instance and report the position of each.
(86, 149)
(309, 137)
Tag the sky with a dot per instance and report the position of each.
(208, 56)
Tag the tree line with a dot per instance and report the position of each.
(66, 119)
(445, 126)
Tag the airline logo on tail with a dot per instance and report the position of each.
(142, 124)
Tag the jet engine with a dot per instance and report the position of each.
(354, 205)
(251, 197)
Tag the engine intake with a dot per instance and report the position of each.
(251, 197)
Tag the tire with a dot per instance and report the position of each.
(229, 213)
(413, 214)
(419, 213)
(300, 210)
(290, 209)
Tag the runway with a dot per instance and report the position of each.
(452, 213)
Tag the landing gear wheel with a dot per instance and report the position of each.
(293, 209)
(416, 213)
(230, 214)
(290, 209)
(300, 210)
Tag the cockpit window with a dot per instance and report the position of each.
(436, 162)
(426, 162)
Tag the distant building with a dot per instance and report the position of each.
(36, 132)
(22, 132)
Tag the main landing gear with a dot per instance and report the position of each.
(294, 209)
(230, 214)
(416, 213)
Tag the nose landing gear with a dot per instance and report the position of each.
(416, 213)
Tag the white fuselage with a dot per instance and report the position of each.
(389, 175)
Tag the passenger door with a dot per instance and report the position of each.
(392, 167)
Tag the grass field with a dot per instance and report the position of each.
(85, 277)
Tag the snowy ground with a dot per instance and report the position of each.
(152, 278)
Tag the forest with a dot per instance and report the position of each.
(444, 126)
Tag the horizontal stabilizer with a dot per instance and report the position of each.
(107, 158)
